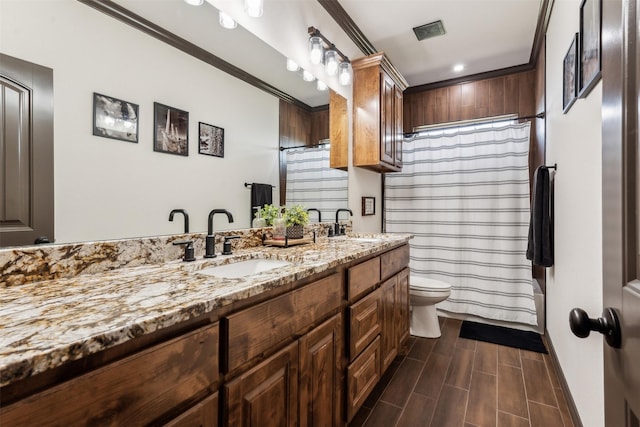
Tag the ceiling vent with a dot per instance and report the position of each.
(427, 31)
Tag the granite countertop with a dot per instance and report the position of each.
(47, 323)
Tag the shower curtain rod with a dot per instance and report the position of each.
(304, 146)
(494, 119)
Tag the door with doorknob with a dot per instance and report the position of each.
(620, 320)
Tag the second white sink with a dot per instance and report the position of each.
(243, 268)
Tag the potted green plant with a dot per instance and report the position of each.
(296, 218)
(269, 213)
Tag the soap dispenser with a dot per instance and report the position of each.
(258, 221)
(279, 227)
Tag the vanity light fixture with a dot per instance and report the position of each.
(292, 65)
(315, 50)
(253, 8)
(344, 73)
(307, 76)
(331, 62)
(227, 21)
(320, 85)
(335, 62)
(194, 2)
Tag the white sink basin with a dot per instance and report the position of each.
(243, 268)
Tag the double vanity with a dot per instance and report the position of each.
(116, 335)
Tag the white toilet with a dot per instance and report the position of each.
(424, 295)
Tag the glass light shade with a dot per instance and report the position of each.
(253, 8)
(331, 62)
(291, 65)
(315, 49)
(344, 75)
(226, 21)
(194, 2)
(321, 85)
(307, 76)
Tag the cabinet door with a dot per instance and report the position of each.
(267, 395)
(320, 368)
(387, 116)
(362, 376)
(397, 123)
(204, 414)
(389, 340)
(402, 307)
(364, 323)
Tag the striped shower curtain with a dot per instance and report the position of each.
(313, 184)
(464, 194)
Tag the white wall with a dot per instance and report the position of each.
(574, 142)
(106, 188)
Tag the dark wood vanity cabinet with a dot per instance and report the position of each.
(307, 357)
(150, 386)
(378, 292)
(377, 114)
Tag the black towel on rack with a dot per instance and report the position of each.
(540, 245)
(261, 194)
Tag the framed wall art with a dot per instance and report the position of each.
(368, 206)
(114, 118)
(590, 46)
(171, 130)
(211, 140)
(569, 74)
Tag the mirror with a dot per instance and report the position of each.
(108, 189)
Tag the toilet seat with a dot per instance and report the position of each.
(425, 284)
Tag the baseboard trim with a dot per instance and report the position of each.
(571, 404)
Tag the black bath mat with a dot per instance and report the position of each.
(525, 340)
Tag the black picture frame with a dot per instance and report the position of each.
(210, 140)
(114, 118)
(368, 206)
(590, 46)
(171, 130)
(569, 76)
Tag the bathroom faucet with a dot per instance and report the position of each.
(210, 240)
(337, 225)
(186, 218)
(316, 210)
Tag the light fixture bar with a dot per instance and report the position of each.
(314, 32)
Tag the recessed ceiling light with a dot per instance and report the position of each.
(458, 67)
(194, 2)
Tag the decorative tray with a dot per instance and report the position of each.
(287, 241)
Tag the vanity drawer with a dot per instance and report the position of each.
(257, 329)
(362, 376)
(364, 323)
(362, 278)
(393, 261)
(204, 414)
(133, 391)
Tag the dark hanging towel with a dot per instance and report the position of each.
(540, 246)
(261, 194)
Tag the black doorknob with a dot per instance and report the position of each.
(608, 325)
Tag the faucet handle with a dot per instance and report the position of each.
(226, 245)
(188, 249)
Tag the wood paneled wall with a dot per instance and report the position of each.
(299, 127)
(519, 93)
(510, 94)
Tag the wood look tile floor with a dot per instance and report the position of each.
(452, 381)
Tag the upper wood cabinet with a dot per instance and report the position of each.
(338, 131)
(377, 114)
